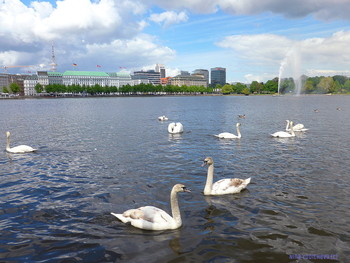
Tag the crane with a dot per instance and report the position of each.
(6, 67)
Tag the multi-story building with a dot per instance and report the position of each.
(29, 85)
(217, 76)
(55, 77)
(119, 79)
(161, 69)
(192, 80)
(85, 78)
(151, 75)
(43, 78)
(203, 72)
(4, 81)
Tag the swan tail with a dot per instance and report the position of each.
(247, 181)
(121, 217)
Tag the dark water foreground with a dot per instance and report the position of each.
(100, 155)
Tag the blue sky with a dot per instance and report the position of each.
(252, 39)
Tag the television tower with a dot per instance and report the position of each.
(53, 59)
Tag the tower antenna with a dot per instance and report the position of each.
(53, 59)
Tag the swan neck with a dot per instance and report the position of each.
(8, 143)
(175, 210)
(287, 127)
(239, 132)
(291, 129)
(209, 183)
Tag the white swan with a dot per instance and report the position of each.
(162, 118)
(296, 127)
(19, 148)
(153, 218)
(283, 134)
(223, 186)
(175, 127)
(227, 135)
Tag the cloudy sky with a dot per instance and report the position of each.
(252, 39)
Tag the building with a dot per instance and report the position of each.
(4, 81)
(192, 80)
(55, 77)
(217, 76)
(29, 85)
(151, 75)
(119, 79)
(161, 69)
(203, 72)
(85, 78)
(43, 78)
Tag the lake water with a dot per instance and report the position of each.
(102, 155)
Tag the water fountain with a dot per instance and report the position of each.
(291, 65)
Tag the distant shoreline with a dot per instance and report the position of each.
(154, 95)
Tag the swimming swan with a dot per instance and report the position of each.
(227, 135)
(153, 218)
(296, 127)
(162, 118)
(283, 134)
(223, 186)
(175, 127)
(17, 149)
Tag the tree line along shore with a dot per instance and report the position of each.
(309, 85)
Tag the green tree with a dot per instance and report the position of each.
(271, 86)
(39, 88)
(15, 88)
(238, 87)
(227, 89)
(326, 85)
(246, 91)
(346, 85)
(255, 87)
(309, 87)
(5, 90)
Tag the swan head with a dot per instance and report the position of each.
(7, 134)
(238, 124)
(208, 161)
(181, 188)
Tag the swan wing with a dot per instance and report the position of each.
(179, 127)
(281, 134)
(21, 149)
(229, 186)
(147, 217)
(298, 126)
(226, 135)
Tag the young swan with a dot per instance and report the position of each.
(153, 218)
(223, 186)
(19, 148)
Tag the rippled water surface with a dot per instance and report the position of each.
(102, 155)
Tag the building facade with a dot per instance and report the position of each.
(161, 69)
(203, 72)
(152, 75)
(217, 76)
(191, 80)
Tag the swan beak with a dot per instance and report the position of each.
(204, 163)
(186, 189)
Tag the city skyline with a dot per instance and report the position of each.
(253, 40)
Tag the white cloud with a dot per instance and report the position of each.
(134, 52)
(169, 18)
(321, 9)
(273, 52)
